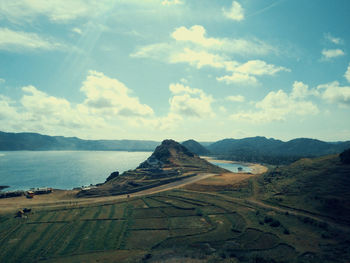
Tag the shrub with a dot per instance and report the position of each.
(268, 219)
(275, 223)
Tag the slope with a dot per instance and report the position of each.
(168, 163)
(320, 185)
(195, 147)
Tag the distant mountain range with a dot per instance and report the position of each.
(38, 142)
(253, 149)
(261, 149)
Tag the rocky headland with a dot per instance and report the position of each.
(169, 162)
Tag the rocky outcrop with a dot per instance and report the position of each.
(169, 162)
(112, 176)
(166, 154)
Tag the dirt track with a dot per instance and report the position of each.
(68, 197)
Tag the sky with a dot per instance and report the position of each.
(180, 69)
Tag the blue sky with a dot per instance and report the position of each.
(155, 69)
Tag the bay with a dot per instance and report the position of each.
(22, 170)
(231, 166)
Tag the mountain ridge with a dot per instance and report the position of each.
(251, 149)
(262, 149)
(196, 147)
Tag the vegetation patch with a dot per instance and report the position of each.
(145, 239)
(153, 223)
(188, 222)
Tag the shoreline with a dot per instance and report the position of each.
(256, 168)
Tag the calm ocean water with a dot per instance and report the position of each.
(22, 170)
(233, 167)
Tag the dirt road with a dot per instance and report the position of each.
(68, 198)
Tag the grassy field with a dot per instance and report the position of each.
(178, 225)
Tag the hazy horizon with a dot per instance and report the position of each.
(180, 69)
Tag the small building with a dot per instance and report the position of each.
(30, 194)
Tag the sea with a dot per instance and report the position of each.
(22, 170)
(233, 167)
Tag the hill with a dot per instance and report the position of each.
(38, 142)
(295, 213)
(169, 162)
(261, 149)
(196, 147)
(318, 185)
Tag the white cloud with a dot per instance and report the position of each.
(193, 46)
(172, 2)
(245, 73)
(332, 39)
(2, 80)
(197, 35)
(7, 111)
(195, 38)
(276, 106)
(108, 107)
(238, 78)
(237, 98)
(77, 30)
(39, 102)
(236, 12)
(57, 11)
(332, 53)
(197, 59)
(189, 102)
(259, 67)
(41, 112)
(347, 74)
(333, 93)
(17, 41)
(301, 90)
(110, 96)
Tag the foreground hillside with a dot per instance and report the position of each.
(272, 217)
(319, 185)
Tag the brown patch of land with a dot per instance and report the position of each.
(222, 182)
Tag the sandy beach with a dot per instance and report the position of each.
(255, 167)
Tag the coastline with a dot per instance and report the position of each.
(256, 168)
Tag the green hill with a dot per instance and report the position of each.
(263, 150)
(196, 147)
(320, 185)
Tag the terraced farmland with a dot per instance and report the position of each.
(178, 224)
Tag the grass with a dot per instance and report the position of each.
(199, 226)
